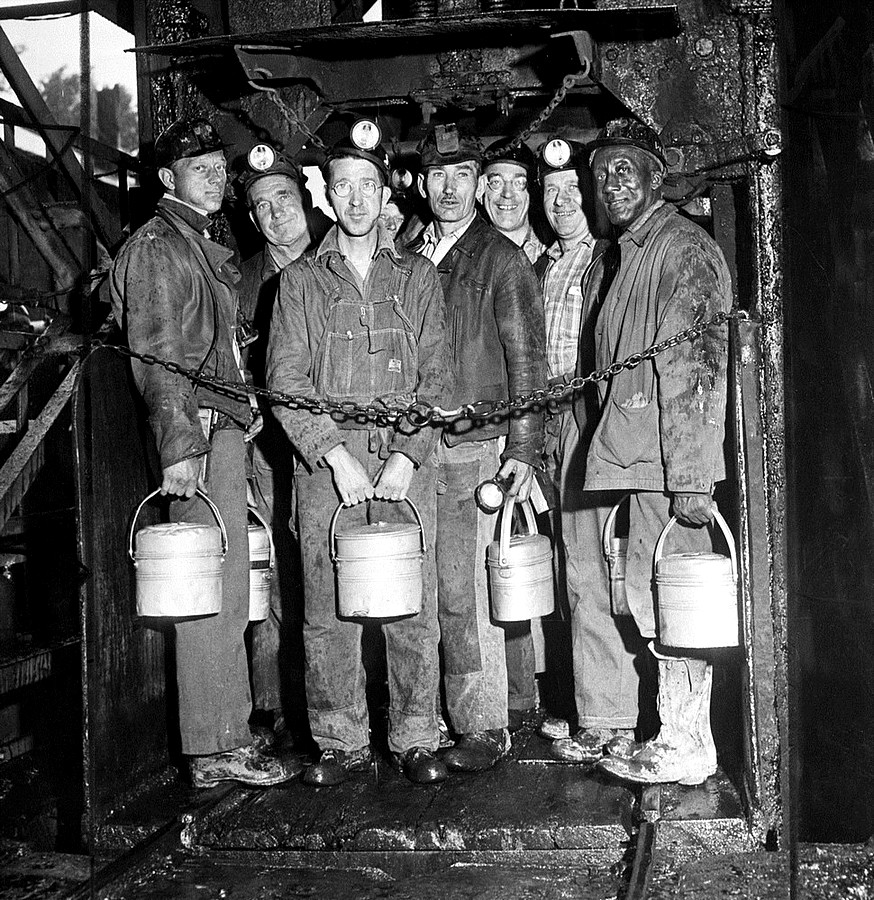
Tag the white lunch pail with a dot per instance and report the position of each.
(179, 565)
(262, 566)
(616, 553)
(520, 569)
(697, 594)
(379, 567)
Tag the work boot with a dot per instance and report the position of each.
(276, 737)
(334, 766)
(554, 729)
(478, 750)
(623, 745)
(683, 750)
(587, 744)
(421, 766)
(248, 765)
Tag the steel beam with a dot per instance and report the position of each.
(768, 664)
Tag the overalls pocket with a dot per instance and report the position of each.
(369, 351)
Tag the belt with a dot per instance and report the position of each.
(221, 421)
(352, 425)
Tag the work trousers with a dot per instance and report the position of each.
(273, 464)
(211, 668)
(606, 647)
(335, 674)
(475, 669)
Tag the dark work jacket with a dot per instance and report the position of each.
(172, 290)
(497, 336)
(259, 284)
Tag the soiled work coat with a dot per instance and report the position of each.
(662, 424)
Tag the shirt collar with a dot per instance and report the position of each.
(430, 232)
(384, 243)
(639, 230)
(269, 266)
(191, 216)
(555, 252)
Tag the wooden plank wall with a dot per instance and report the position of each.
(124, 659)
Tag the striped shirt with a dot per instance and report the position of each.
(563, 304)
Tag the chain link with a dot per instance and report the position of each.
(293, 119)
(383, 412)
(557, 99)
(568, 82)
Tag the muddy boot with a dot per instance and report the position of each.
(683, 750)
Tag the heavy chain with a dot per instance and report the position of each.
(418, 414)
(567, 83)
(293, 119)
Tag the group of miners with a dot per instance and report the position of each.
(457, 303)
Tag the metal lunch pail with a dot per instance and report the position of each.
(520, 569)
(379, 567)
(616, 553)
(179, 565)
(697, 594)
(262, 566)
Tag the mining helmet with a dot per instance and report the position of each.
(503, 151)
(629, 132)
(263, 160)
(558, 154)
(184, 139)
(362, 142)
(444, 145)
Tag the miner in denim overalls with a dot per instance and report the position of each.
(359, 320)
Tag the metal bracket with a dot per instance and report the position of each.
(695, 154)
(587, 54)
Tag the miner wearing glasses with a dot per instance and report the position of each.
(359, 320)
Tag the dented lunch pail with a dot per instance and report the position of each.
(697, 595)
(379, 567)
(262, 565)
(616, 553)
(520, 569)
(179, 565)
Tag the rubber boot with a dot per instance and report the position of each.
(683, 750)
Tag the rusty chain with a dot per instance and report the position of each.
(567, 83)
(292, 118)
(418, 414)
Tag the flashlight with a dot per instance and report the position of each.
(491, 493)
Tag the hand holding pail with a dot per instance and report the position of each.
(179, 565)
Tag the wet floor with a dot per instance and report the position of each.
(530, 829)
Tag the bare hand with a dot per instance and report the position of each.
(523, 478)
(350, 479)
(693, 508)
(183, 478)
(394, 478)
(255, 428)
